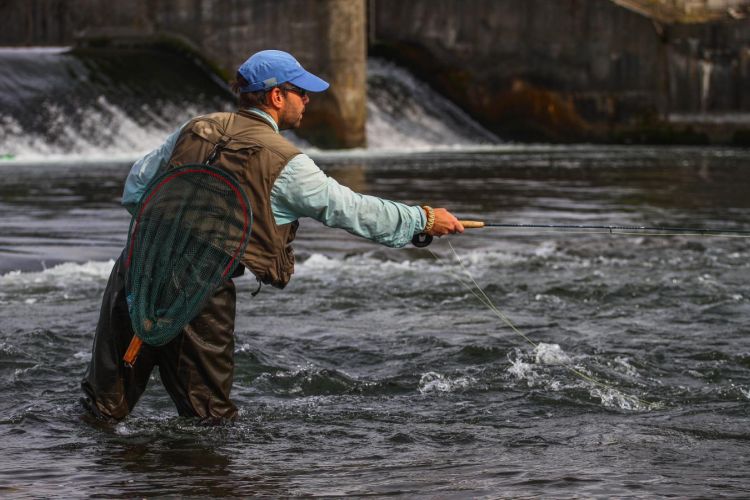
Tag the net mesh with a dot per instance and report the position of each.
(187, 237)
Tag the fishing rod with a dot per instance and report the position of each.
(422, 240)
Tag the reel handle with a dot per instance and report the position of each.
(421, 240)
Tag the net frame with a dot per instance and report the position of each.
(169, 267)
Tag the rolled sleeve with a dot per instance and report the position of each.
(303, 190)
(146, 169)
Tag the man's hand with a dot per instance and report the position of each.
(445, 223)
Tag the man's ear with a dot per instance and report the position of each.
(275, 98)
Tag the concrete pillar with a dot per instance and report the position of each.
(336, 118)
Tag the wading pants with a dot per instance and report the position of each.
(196, 367)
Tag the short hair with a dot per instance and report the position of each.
(249, 99)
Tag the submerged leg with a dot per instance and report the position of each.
(111, 389)
(197, 367)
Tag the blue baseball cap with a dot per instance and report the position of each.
(268, 68)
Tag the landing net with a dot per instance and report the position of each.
(187, 237)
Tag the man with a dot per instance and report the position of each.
(283, 184)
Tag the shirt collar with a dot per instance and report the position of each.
(265, 116)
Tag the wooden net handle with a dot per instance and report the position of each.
(133, 349)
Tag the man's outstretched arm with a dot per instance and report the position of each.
(303, 190)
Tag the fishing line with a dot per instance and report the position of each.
(486, 301)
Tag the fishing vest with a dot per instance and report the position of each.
(248, 147)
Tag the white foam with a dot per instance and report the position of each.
(316, 262)
(612, 398)
(553, 355)
(103, 132)
(123, 429)
(243, 348)
(405, 113)
(546, 249)
(369, 267)
(34, 50)
(624, 363)
(19, 373)
(9, 349)
(60, 276)
(553, 299)
(84, 355)
(522, 370)
(318, 265)
(481, 258)
(421, 121)
(550, 354)
(431, 382)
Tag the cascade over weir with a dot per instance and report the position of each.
(585, 70)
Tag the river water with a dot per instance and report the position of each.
(376, 372)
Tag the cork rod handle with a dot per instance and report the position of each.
(472, 224)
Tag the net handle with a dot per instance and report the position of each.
(133, 349)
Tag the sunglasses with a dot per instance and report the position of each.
(293, 88)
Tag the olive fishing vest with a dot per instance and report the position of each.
(247, 146)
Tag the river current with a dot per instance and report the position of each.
(377, 372)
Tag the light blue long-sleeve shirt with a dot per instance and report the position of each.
(303, 190)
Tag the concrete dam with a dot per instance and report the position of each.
(626, 71)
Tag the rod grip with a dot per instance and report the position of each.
(472, 224)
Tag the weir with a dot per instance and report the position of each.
(326, 36)
(119, 104)
(57, 102)
(632, 71)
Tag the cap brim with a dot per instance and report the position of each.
(310, 82)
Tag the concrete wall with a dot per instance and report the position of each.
(709, 67)
(568, 69)
(526, 69)
(326, 36)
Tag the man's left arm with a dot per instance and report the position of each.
(303, 190)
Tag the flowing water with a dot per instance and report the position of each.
(376, 372)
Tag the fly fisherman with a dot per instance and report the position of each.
(197, 366)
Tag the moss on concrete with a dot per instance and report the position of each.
(172, 43)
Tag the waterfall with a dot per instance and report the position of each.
(706, 70)
(404, 113)
(63, 104)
